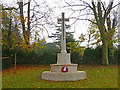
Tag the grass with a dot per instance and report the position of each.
(30, 77)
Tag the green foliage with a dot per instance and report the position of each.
(113, 59)
(69, 39)
(32, 58)
(89, 57)
(75, 58)
(49, 55)
(46, 56)
(94, 56)
(6, 63)
(74, 47)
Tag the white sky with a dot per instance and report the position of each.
(79, 27)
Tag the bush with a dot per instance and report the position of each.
(6, 63)
(75, 58)
(48, 57)
(98, 55)
(94, 56)
(88, 56)
(114, 59)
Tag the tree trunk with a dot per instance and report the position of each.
(104, 45)
(15, 63)
(104, 53)
(22, 17)
(26, 33)
(28, 24)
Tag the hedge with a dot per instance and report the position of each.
(94, 56)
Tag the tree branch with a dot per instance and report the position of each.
(99, 10)
(94, 11)
(108, 11)
(115, 5)
(83, 19)
(86, 4)
(103, 7)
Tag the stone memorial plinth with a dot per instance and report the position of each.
(57, 75)
(63, 70)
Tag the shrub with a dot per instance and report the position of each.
(98, 55)
(75, 58)
(48, 57)
(88, 56)
(94, 56)
(114, 59)
(6, 63)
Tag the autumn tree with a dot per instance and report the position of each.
(100, 12)
(11, 34)
(93, 34)
(111, 31)
(100, 19)
(11, 37)
(75, 45)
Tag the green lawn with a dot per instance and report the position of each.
(30, 77)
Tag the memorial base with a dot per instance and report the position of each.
(60, 76)
(57, 75)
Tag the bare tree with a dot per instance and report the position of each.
(36, 17)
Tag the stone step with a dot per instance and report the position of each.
(58, 67)
(60, 76)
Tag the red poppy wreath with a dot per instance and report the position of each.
(64, 69)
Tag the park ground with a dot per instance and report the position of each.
(29, 76)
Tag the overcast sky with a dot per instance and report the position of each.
(79, 27)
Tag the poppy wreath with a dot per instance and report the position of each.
(64, 69)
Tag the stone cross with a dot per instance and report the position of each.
(64, 70)
(63, 37)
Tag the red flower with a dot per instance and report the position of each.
(64, 69)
